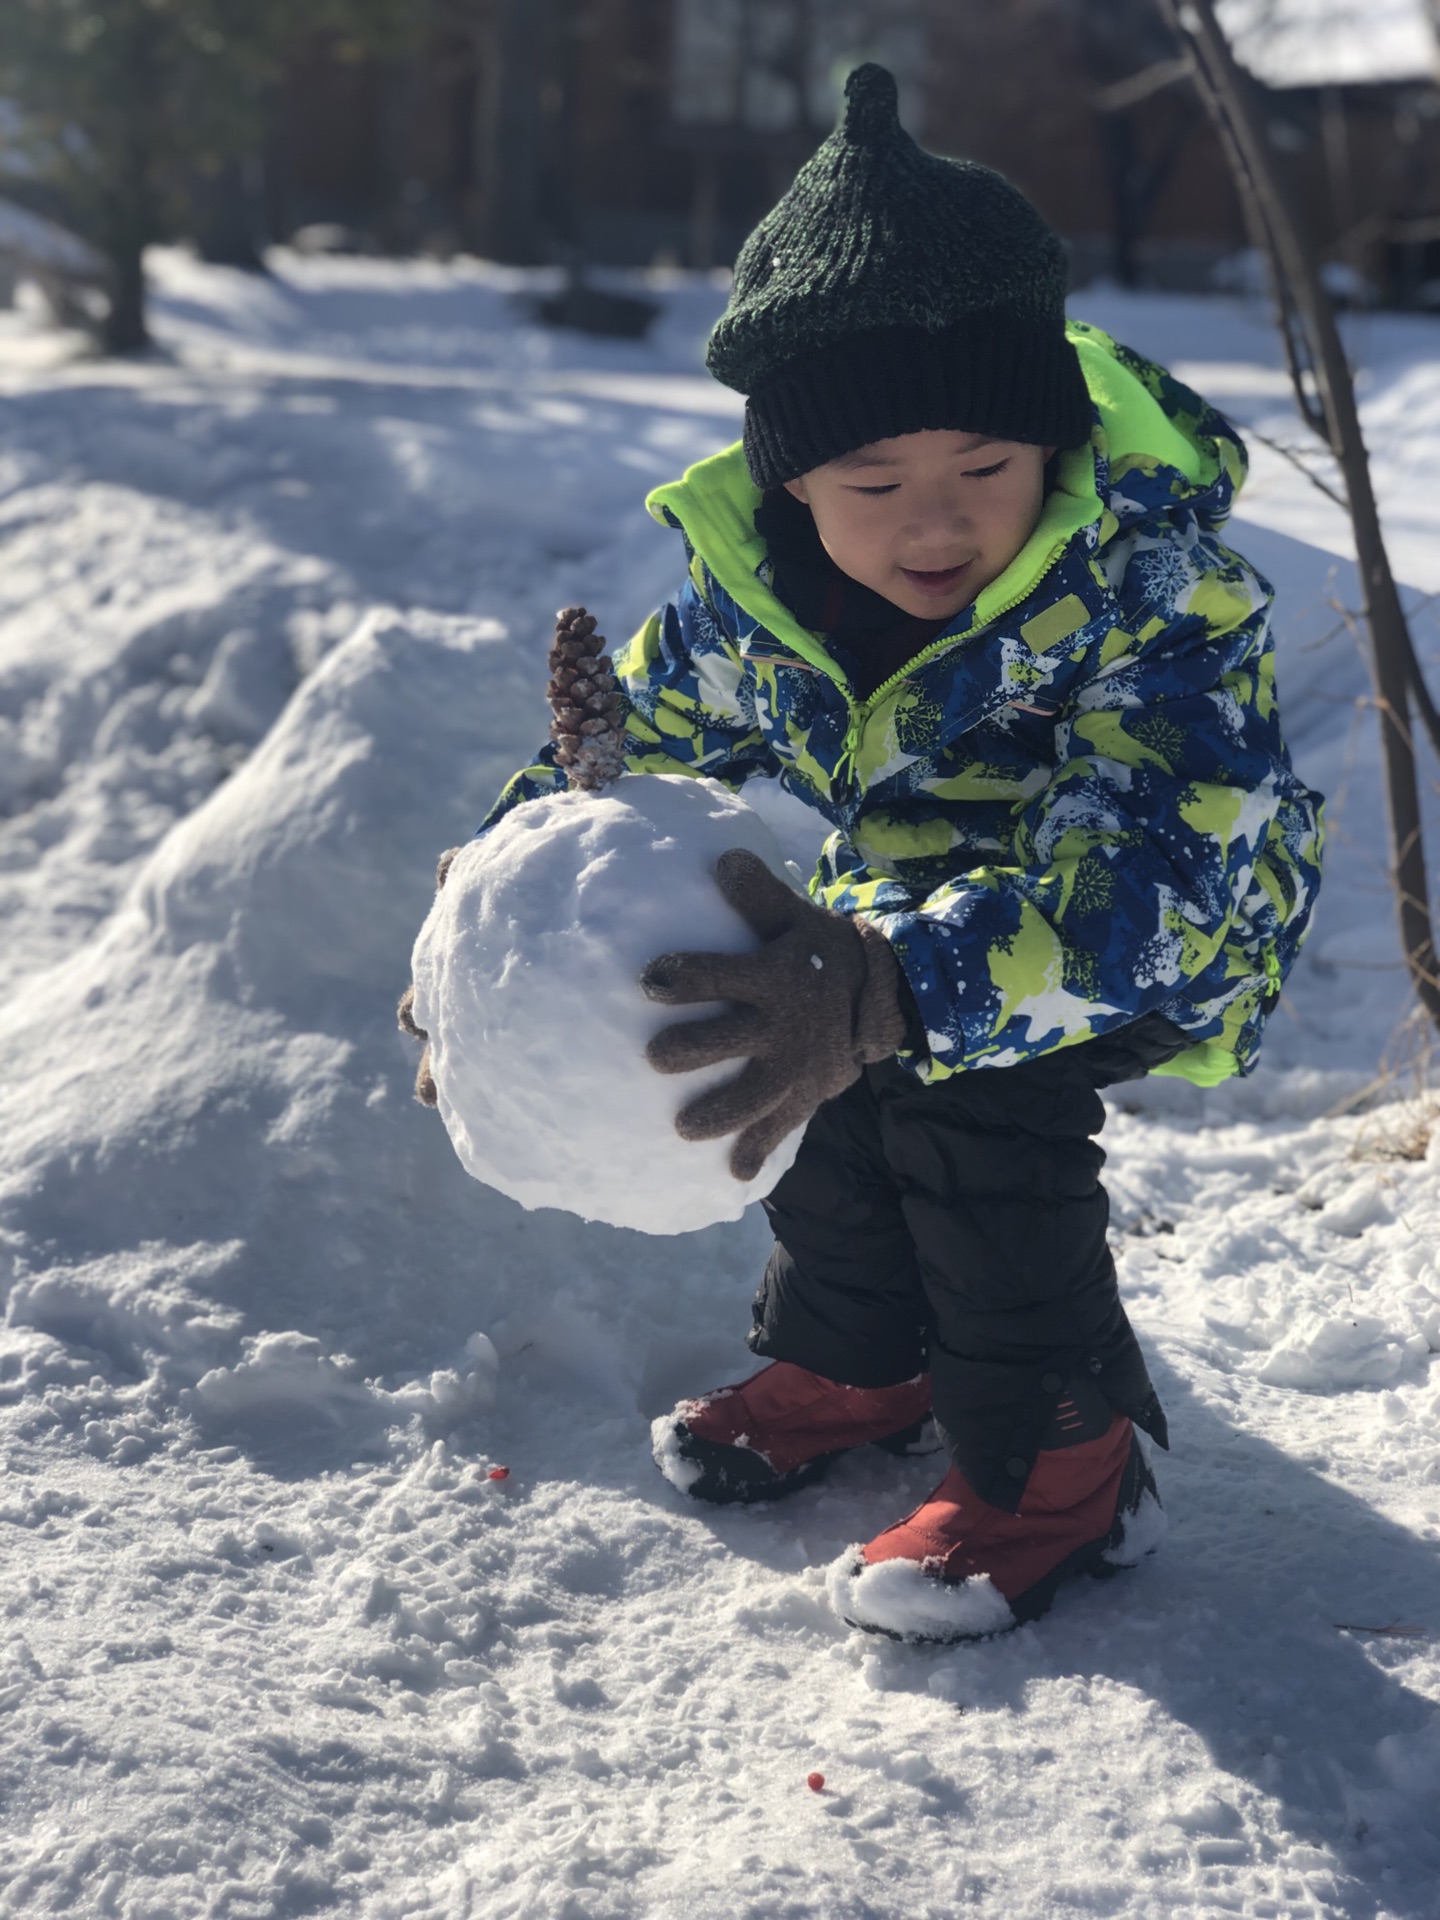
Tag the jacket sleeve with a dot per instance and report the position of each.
(1130, 868)
(689, 706)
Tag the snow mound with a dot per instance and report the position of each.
(42, 243)
(288, 1381)
(527, 981)
(899, 1598)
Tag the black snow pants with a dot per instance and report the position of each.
(962, 1226)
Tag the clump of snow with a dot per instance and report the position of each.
(1323, 1354)
(665, 1451)
(899, 1598)
(1141, 1532)
(527, 980)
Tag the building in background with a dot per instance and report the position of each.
(1355, 108)
(624, 130)
(634, 131)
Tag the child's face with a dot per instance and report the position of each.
(927, 519)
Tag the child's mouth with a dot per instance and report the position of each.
(939, 583)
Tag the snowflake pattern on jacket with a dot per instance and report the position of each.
(1076, 805)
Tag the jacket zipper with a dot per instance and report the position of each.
(860, 711)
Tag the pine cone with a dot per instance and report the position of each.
(589, 724)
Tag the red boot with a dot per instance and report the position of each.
(780, 1430)
(958, 1569)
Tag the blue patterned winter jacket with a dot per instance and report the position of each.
(1073, 807)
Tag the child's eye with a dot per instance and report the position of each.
(874, 493)
(987, 473)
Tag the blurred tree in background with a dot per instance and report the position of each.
(1129, 55)
(125, 105)
(760, 82)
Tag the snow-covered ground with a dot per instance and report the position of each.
(273, 609)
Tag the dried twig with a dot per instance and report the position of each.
(1387, 1633)
(1293, 455)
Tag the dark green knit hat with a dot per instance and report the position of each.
(892, 290)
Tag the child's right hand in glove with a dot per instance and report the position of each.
(819, 1000)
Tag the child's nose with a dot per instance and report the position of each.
(942, 518)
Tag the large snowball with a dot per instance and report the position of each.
(526, 978)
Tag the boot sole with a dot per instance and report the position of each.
(736, 1476)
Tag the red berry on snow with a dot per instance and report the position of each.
(815, 1782)
(498, 1473)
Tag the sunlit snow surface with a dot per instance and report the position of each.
(273, 611)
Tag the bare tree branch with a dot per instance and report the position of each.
(1316, 355)
(1296, 459)
(1123, 94)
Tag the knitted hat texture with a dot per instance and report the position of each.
(892, 290)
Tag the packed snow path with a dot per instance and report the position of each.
(277, 1637)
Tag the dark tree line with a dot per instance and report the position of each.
(128, 108)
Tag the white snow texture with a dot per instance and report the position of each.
(527, 981)
(274, 608)
(901, 1599)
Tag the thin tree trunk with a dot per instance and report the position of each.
(1309, 322)
(704, 208)
(127, 225)
(125, 329)
(511, 164)
(1340, 172)
(229, 217)
(1117, 138)
(127, 201)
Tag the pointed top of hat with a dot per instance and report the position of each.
(943, 258)
(872, 104)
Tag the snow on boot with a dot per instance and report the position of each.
(779, 1430)
(960, 1569)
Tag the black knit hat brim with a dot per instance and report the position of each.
(991, 372)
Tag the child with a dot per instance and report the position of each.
(962, 588)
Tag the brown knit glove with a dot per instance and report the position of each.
(404, 1014)
(818, 1001)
